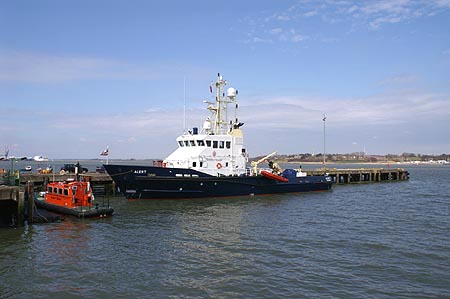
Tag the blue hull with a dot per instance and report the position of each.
(148, 182)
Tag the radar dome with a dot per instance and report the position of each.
(231, 92)
(207, 125)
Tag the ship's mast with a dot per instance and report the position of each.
(219, 121)
(221, 105)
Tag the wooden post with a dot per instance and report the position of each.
(113, 188)
(20, 197)
(30, 198)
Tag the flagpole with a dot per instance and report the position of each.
(324, 119)
(106, 153)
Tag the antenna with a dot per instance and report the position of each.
(184, 104)
(324, 119)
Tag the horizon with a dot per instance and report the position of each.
(250, 157)
(88, 75)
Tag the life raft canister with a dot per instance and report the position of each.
(218, 165)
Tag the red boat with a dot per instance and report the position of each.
(72, 198)
(273, 176)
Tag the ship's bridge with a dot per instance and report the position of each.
(218, 149)
(212, 154)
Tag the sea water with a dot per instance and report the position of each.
(378, 240)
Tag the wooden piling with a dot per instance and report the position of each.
(11, 206)
(30, 198)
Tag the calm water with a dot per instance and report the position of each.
(386, 240)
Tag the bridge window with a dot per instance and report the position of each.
(228, 144)
(221, 144)
(186, 143)
(215, 144)
(180, 143)
(192, 142)
(66, 192)
(208, 143)
(194, 164)
(200, 143)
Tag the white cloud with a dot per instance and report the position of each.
(283, 18)
(298, 38)
(276, 31)
(152, 132)
(260, 40)
(358, 15)
(399, 80)
(381, 110)
(45, 68)
(310, 13)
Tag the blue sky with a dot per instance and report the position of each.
(77, 76)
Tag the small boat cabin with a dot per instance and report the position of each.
(69, 194)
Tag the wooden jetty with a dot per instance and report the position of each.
(11, 206)
(17, 205)
(362, 175)
(102, 184)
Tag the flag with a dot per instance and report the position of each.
(210, 87)
(105, 152)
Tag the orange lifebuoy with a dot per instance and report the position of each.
(219, 166)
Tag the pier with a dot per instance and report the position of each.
(16, 204)
(102, 184)
(363, 175)
(11, 206)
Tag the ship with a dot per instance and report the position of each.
(212, 161)
(71, 197)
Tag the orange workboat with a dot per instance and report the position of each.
(273, 176)
(72, 198)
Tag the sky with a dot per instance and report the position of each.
(79, 76)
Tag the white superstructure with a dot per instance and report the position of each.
(218, 148)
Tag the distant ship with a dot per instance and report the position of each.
(212, 163)
(40, 159)
(6, 156)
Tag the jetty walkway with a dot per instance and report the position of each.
(362, 175)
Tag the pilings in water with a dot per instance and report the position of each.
(11, 206)
(363, 175)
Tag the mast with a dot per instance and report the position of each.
(219, 109)
(184, 104)
(219, 121)
(324, 119)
